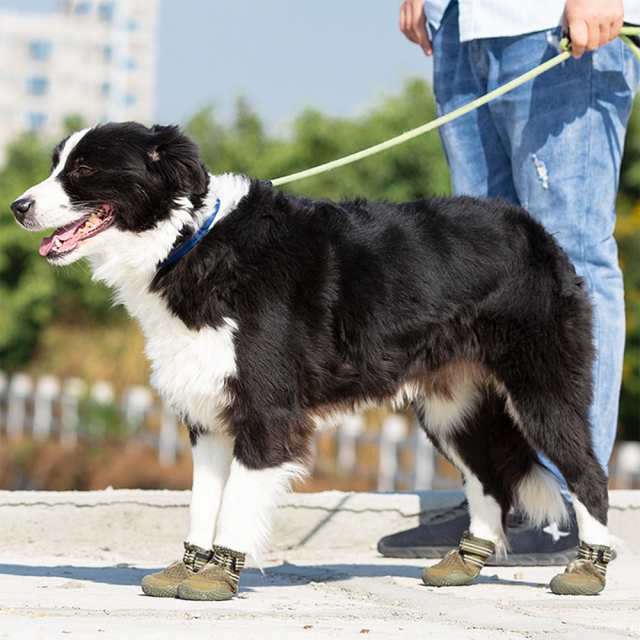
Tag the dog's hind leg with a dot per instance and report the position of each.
(548, 390)
(465, 427)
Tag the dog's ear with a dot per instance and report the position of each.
(176, 158)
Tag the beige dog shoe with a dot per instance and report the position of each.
(218, 580)
(460, 566)
(164, 584)
(586, 575)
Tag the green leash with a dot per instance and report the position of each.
(565, 46)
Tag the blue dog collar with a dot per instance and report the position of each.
(182, 249)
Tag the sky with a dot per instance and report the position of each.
(338, 56)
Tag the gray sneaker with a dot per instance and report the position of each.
(529, 546)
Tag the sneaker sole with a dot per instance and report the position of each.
(560, 558)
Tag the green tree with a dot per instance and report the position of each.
(414, 170)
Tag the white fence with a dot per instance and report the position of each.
(66, 410)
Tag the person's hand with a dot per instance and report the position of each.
(413, 23)
(592, 23)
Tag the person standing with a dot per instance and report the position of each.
(553, 146)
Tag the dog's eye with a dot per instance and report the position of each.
(83, 171)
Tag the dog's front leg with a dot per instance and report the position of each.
(212, 453)
(244, 524)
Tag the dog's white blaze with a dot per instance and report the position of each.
(250, 497)
(589, 529)
(52, 205)
(538, 495)
(212, 456)
(66, 150)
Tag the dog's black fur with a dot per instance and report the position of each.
(341, 303)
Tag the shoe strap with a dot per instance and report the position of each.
(598, 554)
(195, 558)
(231, 561)
(474, 550)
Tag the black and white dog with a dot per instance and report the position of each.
(286, 310)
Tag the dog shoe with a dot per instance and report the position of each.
(586, 575)
(164, 584)
(218, 580)
(460, 566)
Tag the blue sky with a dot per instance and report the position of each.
(337, 55)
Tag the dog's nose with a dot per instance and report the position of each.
(21, 207)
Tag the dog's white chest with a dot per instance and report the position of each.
(188, 368)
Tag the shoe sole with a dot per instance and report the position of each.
(560, 558)
(562, 588)
(452, 580)
(159, 592)
(187, 593)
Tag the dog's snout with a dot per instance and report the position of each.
(21, 208)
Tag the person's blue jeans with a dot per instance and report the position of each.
(553, 146)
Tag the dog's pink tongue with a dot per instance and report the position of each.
(45, 246)
(65, 234)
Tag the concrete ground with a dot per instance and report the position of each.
(71, 564)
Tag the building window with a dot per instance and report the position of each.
(82, 8)
(105, 89)
(40, 49)
(37, 85)
(106, 11)
(129, 100)
(132, 25)
(107, 52)
(36, 120)
(131, 64)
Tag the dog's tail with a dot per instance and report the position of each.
(538, 496)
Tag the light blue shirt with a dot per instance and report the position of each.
(496, 18)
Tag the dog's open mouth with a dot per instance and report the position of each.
(66, 239)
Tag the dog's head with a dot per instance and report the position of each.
(114, 178)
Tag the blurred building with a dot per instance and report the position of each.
(93, 59)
